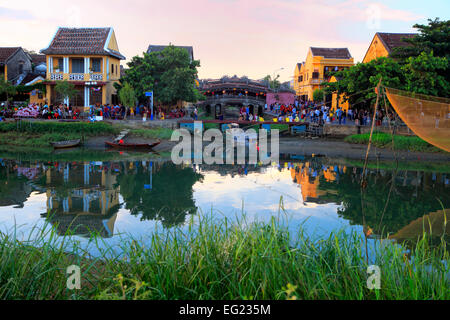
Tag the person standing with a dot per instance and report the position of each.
(195, 113)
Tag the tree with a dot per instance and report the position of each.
(8, 89)
(424, 74)
(127, 96)
(65, 90)
(358, 81)
(434, 37)
(318, 95)
(273, 83)
(170, 74)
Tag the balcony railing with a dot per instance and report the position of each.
(96, 77)
(76, 76)
(56, 76)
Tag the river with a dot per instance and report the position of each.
(132, 198)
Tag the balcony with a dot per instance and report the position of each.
(76, 76)
(315, 81)
(96, 76)
(56, 76)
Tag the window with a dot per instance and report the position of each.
(315, 75)
(112, 68)
(78, 65)
(96, 65)
(60, 65)
(21, 68)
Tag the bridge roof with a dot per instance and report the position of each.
(234, 82)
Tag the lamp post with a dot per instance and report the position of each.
(273, 78)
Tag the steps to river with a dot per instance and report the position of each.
(121, 135)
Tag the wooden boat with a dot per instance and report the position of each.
(65, 144)
(132, 145)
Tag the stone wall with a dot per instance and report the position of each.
(346, 130)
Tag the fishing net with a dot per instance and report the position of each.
(427, 116)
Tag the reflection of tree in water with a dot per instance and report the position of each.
(410, 199)
(169, 200)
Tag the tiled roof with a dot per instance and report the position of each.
(6, 52)
(30, 77)
(81, 41)
(157, 48)
(394, 40)
(331, 53)
(38, 58)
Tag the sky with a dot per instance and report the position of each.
(230, 37)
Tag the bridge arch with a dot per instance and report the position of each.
(233, 93)
(217, 110)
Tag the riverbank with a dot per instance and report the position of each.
(338, 148)
(385, 140)
(223, 260)
(39, 134)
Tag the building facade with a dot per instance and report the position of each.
(317, 68)
(383, 43)
(87, 57)
(15, 64)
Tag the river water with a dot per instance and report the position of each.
(116, 199)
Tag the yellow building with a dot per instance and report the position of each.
(319, 64)
(87, 57)
(383, 43)
(335, 102)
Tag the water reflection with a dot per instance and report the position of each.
(160, 191)
(86, 197)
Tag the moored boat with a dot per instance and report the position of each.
(65, 144)
(123, 145)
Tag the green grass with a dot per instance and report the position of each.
(34, 140)
(384, 140)
(223, 260)
(153, 133)
(40, 133)
(44, 127)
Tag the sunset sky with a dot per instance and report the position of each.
(242, 37)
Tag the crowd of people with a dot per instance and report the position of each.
(42, 111)
(297, 112)
(108, 111)
(321, 114)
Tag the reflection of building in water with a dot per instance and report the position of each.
(307, 176)
(82, 198)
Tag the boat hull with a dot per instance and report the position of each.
(132, 145)
(65, 144)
